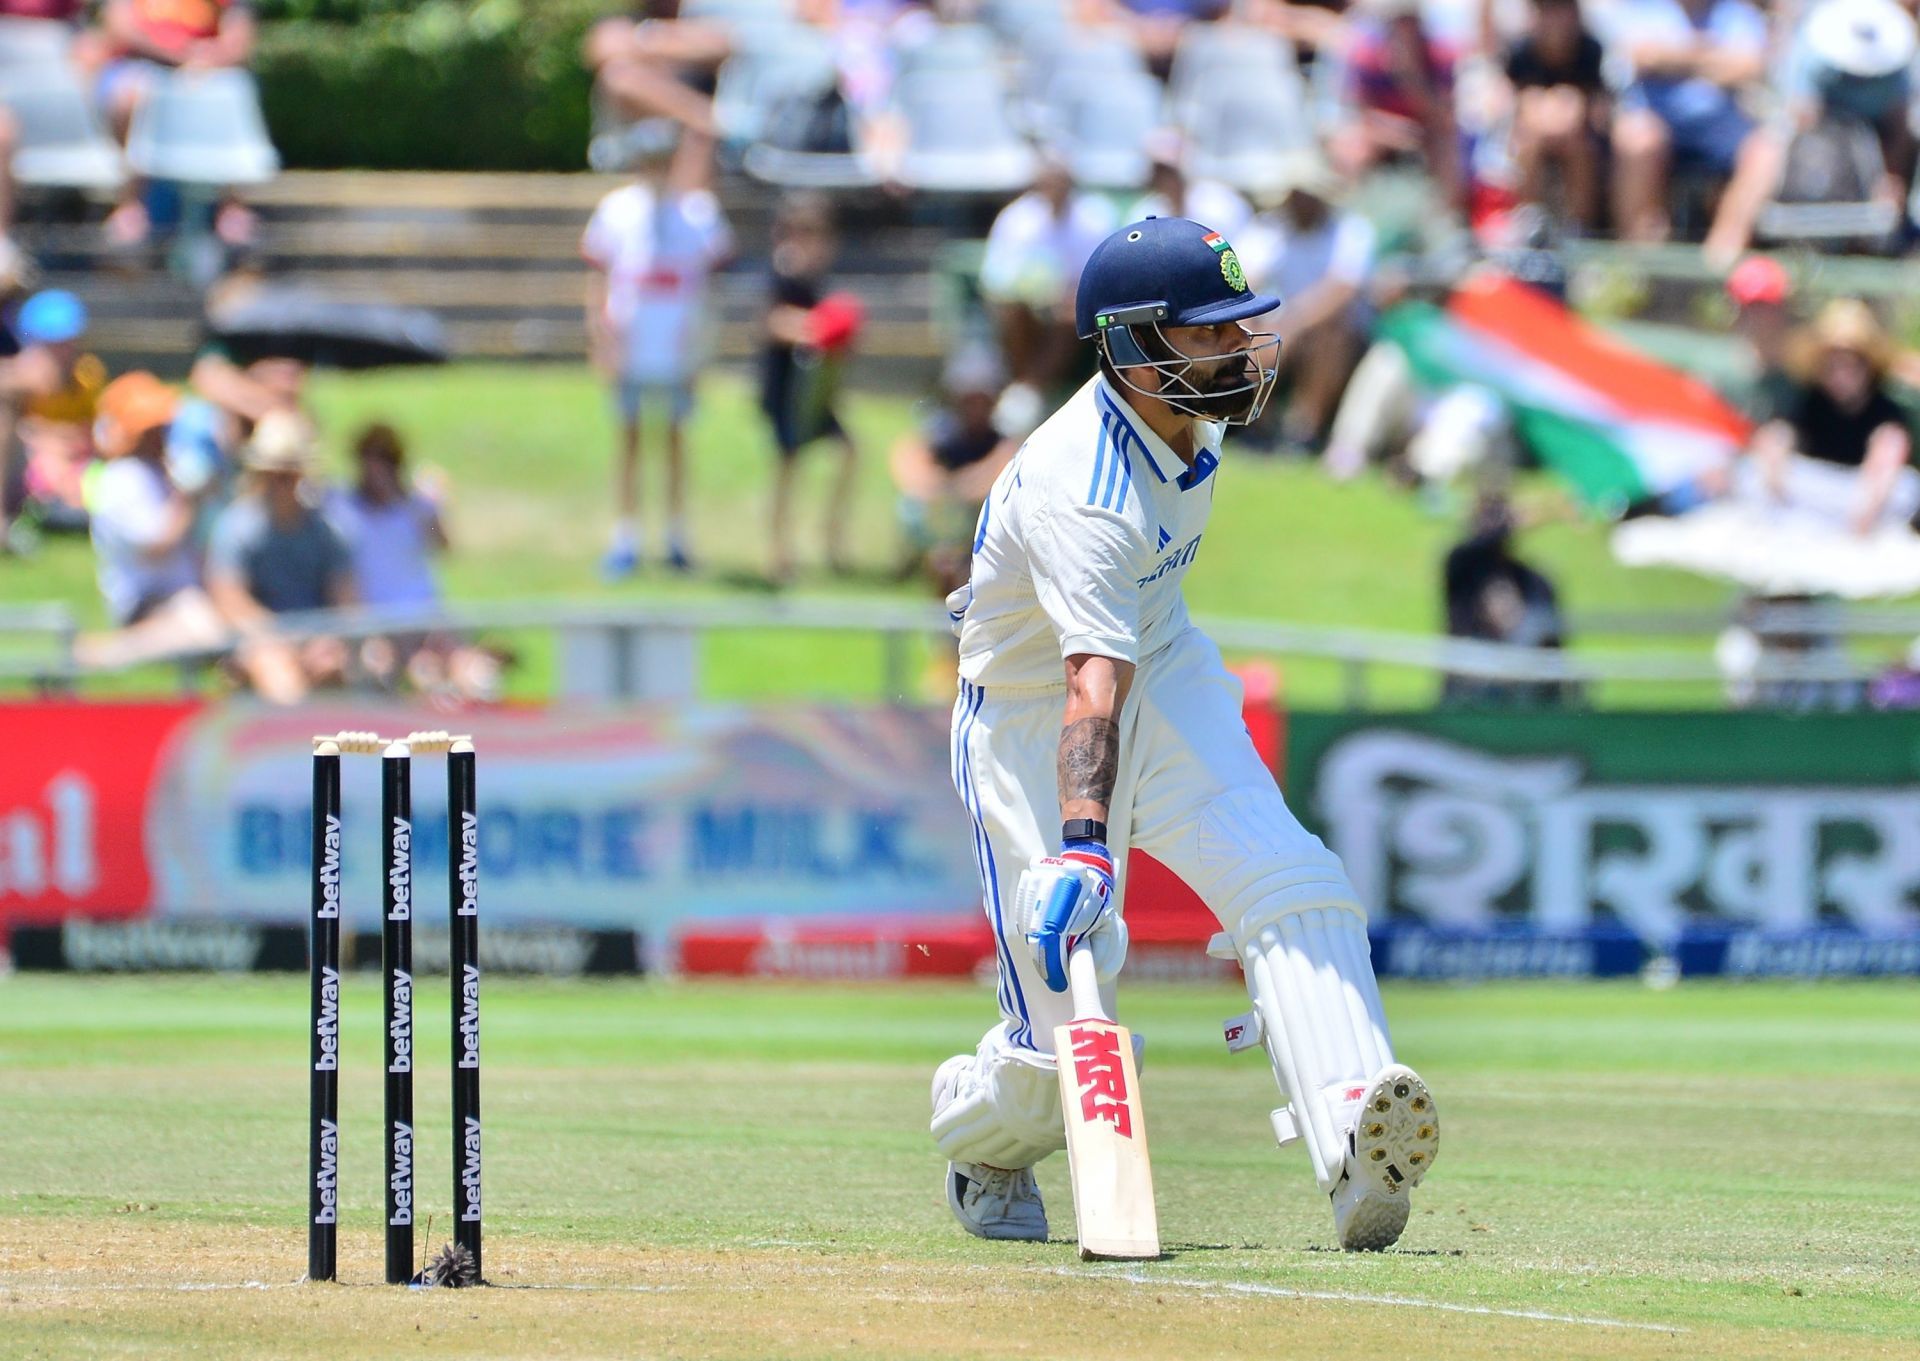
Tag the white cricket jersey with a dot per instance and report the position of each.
(1082, 545)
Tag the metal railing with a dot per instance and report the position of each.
(649, 648)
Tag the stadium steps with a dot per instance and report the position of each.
(497, 258)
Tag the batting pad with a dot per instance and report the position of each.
(1310, 974)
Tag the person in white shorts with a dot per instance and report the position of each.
(1093, 716)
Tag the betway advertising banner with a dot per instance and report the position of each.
(1540, 843)
(648, 820)
(824, 842)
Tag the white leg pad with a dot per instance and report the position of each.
(1304, 950)
(999, 1106)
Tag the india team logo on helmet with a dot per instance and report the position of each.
(1230, 269)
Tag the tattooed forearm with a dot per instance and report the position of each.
(1089, 761)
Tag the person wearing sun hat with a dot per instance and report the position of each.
(142, 526)
(274, 553)
(1842, 445)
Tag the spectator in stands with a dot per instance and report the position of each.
(1493, 596)
(652, 246)
(1690, 60)
(944, 470)
(1561, 109)
(54, 385)
(808, 334)
(1317, 258)
(1035, 251)
(1850, 62)
(273, 553)
(145, 40)
(1759, 290)
(142, 530)
(1842, 444)
(393, 528)
(1400, 88)
(1171, 194)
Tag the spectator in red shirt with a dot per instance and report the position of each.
(1400, 86)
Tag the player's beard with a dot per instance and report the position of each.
(1227, 387)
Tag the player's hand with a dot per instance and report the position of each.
(1066, 899)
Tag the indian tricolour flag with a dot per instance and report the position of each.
(1616, 425)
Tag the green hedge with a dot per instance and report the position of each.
(401, 85)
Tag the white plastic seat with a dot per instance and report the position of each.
(960, 138)
(61, 141)
(1102, 123)
(771, 63)
(34, 42)
(1244, 132)
(202, 127)
(1214, 55)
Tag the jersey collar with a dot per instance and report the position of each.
(1116, 416)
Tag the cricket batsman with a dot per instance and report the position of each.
(1093, 717)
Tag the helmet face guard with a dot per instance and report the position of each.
(1119, 342)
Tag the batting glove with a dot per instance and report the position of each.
(1066, 899)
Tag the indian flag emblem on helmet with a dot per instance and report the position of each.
(1230, 270)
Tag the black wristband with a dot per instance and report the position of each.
(1083, 829)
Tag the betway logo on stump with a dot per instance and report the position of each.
(469, 866)
(327, 1179)
(400, 1180)
(400, 1026)
(469, 1056)
(470, 1173)
(329, 906)
(1100, 1078)
(326, 1025)
(400, 873)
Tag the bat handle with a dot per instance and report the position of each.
(1084, 983)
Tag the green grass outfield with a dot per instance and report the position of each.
(527, 448)
(729, 1170)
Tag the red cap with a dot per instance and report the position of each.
(1758, 278)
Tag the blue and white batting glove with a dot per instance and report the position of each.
(1068, 898)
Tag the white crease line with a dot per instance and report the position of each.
(1281, 1292)
(188, 1287)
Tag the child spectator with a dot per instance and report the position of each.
(944, 471)
(1561, 108)
(652, 246)
(55, 386)
(142, 533)
(1759, 290)
(393, 529)
(273, 553)
(808, 333)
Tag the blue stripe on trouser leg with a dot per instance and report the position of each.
(1013, 1002)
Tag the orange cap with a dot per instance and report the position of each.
(130, 407)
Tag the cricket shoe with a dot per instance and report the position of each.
(1394, 1140)
(996, 1202)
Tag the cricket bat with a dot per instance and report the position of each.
(1106, 1127)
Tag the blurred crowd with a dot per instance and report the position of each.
(1515, 126)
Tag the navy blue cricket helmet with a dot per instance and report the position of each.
(1185, 272)
(1168, 271)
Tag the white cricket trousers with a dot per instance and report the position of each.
(1191, 791)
